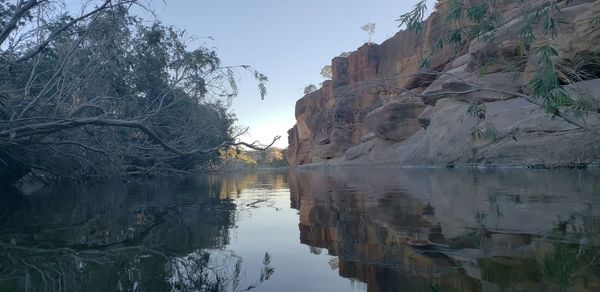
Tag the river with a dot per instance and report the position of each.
(367, 229)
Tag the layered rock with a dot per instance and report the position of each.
(380, 107)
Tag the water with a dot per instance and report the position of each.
(372, 229)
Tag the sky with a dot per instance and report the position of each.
(288, 41)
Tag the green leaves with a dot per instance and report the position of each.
(455, 37)
(546, 81)
(425, 62)
(414, 18)
(262, 79)
(476, 110)
(455, 10)
(369, 28)
(477, 12)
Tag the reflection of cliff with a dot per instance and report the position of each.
(231, 184)
(472, 224)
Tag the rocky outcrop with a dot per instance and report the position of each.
(396, 120)
(380, 107)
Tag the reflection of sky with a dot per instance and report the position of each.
(273, 227)
(289, 41)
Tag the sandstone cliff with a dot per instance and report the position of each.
(380, 107)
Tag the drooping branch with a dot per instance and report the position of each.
(532, 99)
(113, 95)
(29, 131)
(474, 88)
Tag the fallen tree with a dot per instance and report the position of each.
(103, 93)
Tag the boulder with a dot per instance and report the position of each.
(457, 81)
(359, 150)
(396, 120)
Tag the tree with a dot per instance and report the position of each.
(326, 72)
(104, 93)
(369, 28)
(308, 89)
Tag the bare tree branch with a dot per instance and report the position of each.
(21, 10)
(57, 32)
(51, 127)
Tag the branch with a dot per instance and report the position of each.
(20, 11)
(475, 88)
(75, 144)
(54, 34)
(529, 98)
(51, 127)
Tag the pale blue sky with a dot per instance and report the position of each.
(289, 41)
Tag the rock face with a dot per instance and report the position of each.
(380, 108)
(396, 120)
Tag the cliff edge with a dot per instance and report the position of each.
(381, 107)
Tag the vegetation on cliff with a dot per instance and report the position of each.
(475, 83)
(536, 36)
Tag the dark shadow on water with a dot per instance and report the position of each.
(163, 235)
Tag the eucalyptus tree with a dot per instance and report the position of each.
(104, 93)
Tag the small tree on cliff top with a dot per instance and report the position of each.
(326, 72)
(369, 28)
(308, 89)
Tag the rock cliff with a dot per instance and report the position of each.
(381, 107)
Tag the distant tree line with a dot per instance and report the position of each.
(105, 93)
(241, 159)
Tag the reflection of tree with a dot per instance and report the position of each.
(202, 271)
(122, 237)
(125, 268)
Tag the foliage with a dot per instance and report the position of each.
(369, 28)
(326, 72)
(237, 154)
(414, 18)
(476, 110)
(308, 89)
(561, 266)
(106, 93)
(536, 36)
(345, 54)
(269, 158)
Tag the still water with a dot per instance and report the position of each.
(375, 229)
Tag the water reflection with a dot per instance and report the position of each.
(167, 235)
(347, 230)
(455, 230)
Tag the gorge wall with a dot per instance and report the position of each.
(380, 107)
